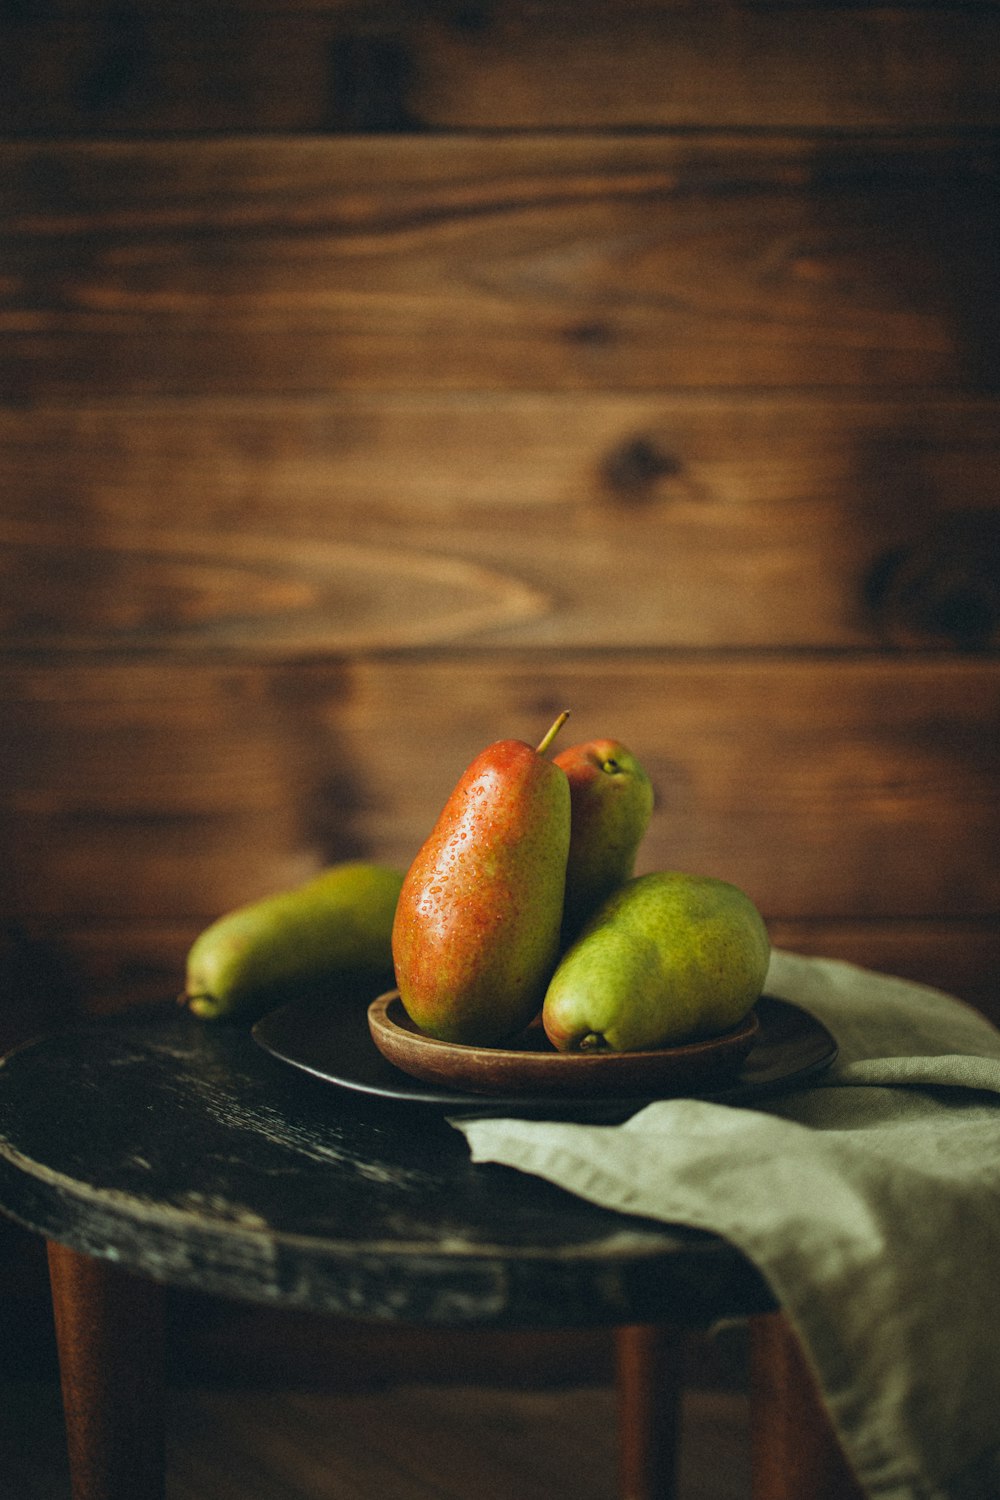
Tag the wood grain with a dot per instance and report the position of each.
(533, 64)
(507, 263)
(857, 787)
(346, 522)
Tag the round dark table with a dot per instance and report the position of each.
(152, 1148)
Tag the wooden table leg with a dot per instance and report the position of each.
(110, 1335)
(649, 1371)
(794, 1451)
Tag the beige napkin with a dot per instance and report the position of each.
(870, 1200)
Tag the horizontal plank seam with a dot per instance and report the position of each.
(869, 134)
(877, 396)
(500, 657)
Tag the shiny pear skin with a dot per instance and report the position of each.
(336, 927)
(669, 958)
(611, 799)
(476, 935)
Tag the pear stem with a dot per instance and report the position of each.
(550, 736)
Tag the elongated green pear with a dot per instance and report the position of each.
(668, 958)
(336, 926)
(611, 800)
(476, 935)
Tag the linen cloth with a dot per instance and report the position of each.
(869, 1198)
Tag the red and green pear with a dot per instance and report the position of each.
(477, 929)
(611, 799)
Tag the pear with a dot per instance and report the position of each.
(668, 958)
(335, 927)
(611, 800)
(476, 935)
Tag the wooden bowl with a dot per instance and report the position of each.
(531, 1065)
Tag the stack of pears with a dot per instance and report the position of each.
(523, 904)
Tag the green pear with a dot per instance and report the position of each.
(335, 927)
(668, 958)
(476, 935)
(611, 800)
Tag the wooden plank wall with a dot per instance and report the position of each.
(378, 379)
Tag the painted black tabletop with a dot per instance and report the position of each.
(182, 1150)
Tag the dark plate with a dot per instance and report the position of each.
(334, 1044)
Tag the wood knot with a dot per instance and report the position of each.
(591, 333)
(632, 469)
(942, 590)
(465, 17)
(370, 80)
(123, 59)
